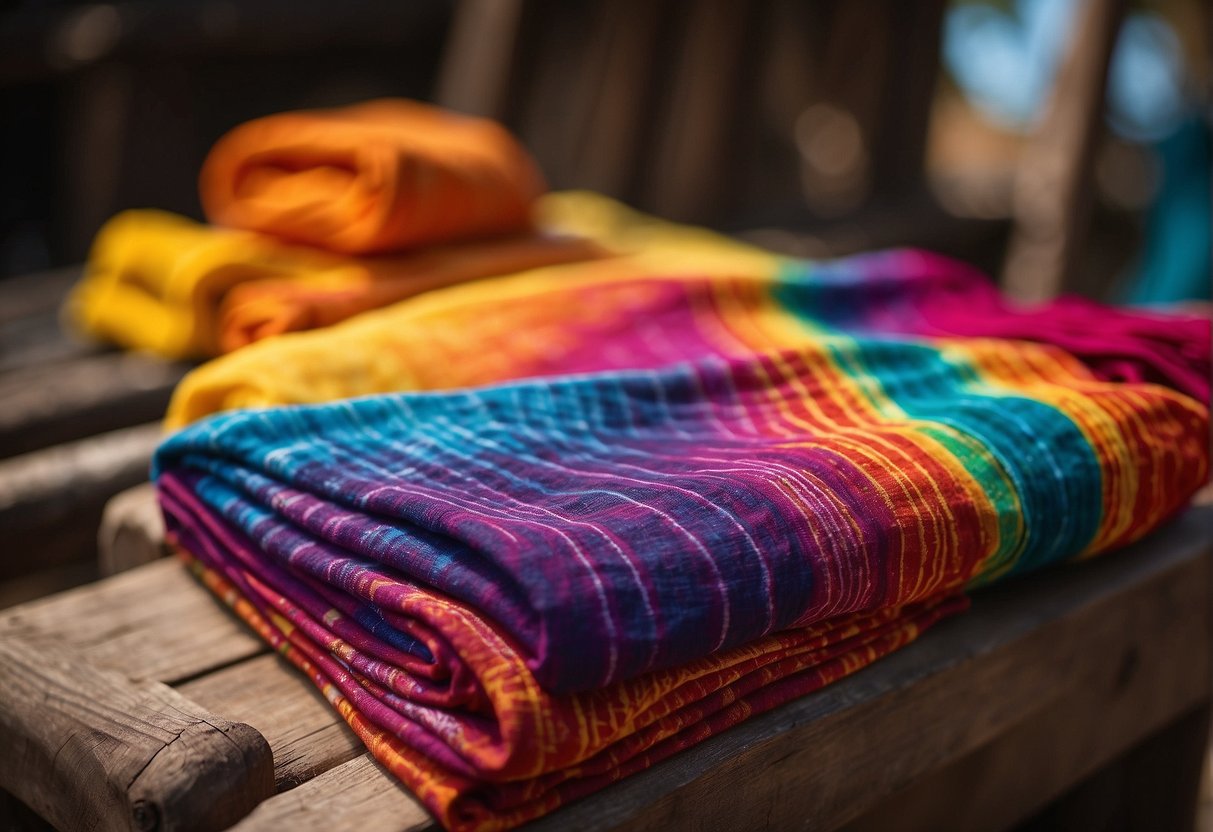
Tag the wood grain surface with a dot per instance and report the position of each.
(93, 749)
(155, 623)
(52, 500)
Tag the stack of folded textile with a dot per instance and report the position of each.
(586, 515)
(694, 497)
(318, 216)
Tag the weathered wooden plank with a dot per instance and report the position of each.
(90, 749)
(903, 114)
(131, 532)
(1153, 786)
(15, 816)
(307, 736)
(476, 61)
(155, 622)
(29, 295)
(51, 501)
(30, 329)
(82, 397)
(1106, 709)
(615, 96)
(357, 795)
(38, 340)
(694, 153)
(46, 582)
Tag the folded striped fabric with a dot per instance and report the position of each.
(394, 348)
(699, 496)
(722, 297)
(380, 176)
(162, 283)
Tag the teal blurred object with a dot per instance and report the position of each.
(1177, 257)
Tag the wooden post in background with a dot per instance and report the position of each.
(1053, 184)
(478, 58)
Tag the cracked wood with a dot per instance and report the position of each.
(92, 749)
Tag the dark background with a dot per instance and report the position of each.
(817, 127)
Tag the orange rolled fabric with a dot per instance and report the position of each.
(382, 176)
(258, 309)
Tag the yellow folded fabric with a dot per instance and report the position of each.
(400, 347)
(155, 281)
(381, 176)
(165, 284)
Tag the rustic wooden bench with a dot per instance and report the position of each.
(140, 702)
(78, 425)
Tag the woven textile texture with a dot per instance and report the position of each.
(381, 351)
(380, 176)
(660, 503)
(614, 314)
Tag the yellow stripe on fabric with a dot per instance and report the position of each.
(254, 377)
(777, 324)
(751, 314)
(1039, 372)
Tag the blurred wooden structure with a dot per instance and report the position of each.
(755, 117)
(78, 426)
(740, 116)
(1052, 198)
(142, 89)
(1033, 706)
(690, 109)
(136, 91)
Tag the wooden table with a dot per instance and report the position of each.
(78, 425)
(137, 700)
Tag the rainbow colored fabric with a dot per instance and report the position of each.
(641, 309)
(683, 501)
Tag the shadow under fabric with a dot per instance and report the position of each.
(689, 498)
